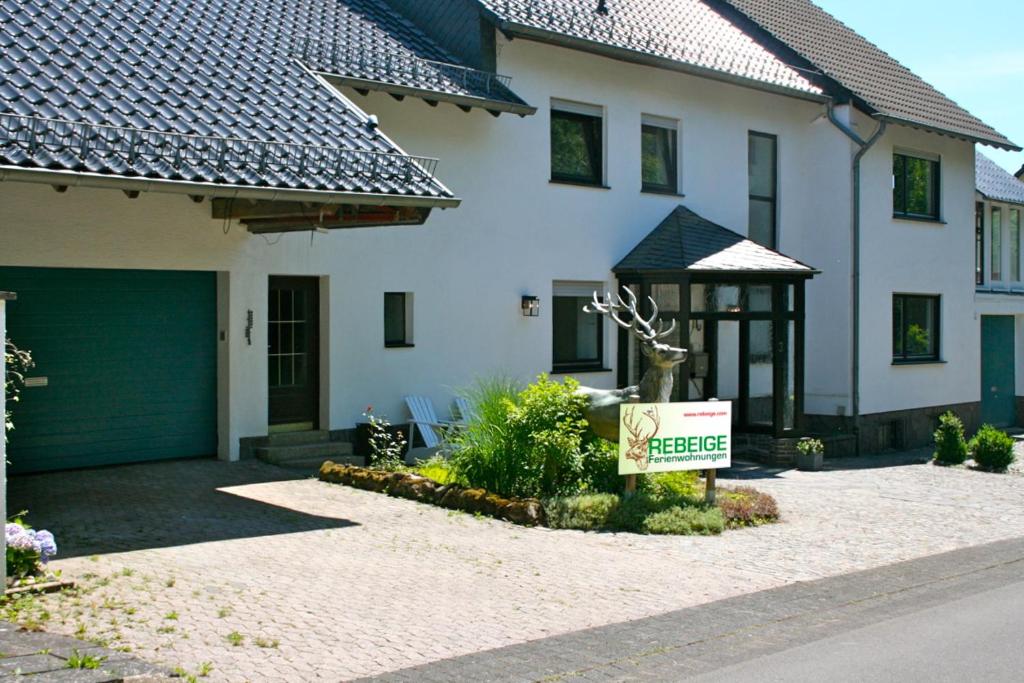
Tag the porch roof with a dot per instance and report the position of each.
(686, 242)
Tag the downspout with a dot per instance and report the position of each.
(864, 146)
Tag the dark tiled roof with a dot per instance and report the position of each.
(1020, 173)
(226, 71)
(880, 81)
(688, 32)
(995, 182)
(686, 241)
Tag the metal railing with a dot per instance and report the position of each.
(372, 63)
(179, 154)
(613, 28)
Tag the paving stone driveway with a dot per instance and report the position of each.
(321, 581)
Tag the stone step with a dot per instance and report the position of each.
(313, 464)
(282, 455)
(299, 438)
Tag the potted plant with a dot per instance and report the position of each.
(810, 454)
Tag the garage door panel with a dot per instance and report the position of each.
(130, 358)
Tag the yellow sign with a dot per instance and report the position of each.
(667, 437)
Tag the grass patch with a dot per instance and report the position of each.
(435, 468)
(235, 638)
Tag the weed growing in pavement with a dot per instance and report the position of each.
(171, 616)
(259, 641)
(79, 661)
(235, 638)
(223, 612)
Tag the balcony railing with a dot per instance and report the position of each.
(372, 63)
(178, 155)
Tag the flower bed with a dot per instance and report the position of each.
(28, 552)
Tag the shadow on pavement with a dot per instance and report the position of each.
(156, 505)
(748, 469)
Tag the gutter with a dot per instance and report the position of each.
(337, 80)
(214, 190)
(1007, 145)
(514, 29)
(864, 146)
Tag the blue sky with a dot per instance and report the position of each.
(973, 52)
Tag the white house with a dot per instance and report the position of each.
(258, 271)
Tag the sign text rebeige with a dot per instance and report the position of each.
(667, 437)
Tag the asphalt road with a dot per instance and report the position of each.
(956, 616)
(967, 639)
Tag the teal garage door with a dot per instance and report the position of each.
(126, 366)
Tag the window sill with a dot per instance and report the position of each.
(918, 219)
(579, 183)
(398, 345)
(924, 361)
(578, 369)
(663, 193)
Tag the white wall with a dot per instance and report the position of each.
(918, 257)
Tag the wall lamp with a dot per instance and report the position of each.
(531, 306)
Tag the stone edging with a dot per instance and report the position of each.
(524, 511)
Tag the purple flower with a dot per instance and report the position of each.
(19, 538)
(46, 543)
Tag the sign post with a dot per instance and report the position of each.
(671, 437)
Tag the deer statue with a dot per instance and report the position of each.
(656, 384)
(637, 439)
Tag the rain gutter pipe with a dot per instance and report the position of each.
(864, 146)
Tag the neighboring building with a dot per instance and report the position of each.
(618, 154)
(1020, 173)
(999, 297)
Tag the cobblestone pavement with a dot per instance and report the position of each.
(261, 576)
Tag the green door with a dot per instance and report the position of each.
(998, 401)
(126, 366)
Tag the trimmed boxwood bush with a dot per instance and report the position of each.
(950, 445)
(992, 449)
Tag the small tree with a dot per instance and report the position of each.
(950, 445)
(992, 449)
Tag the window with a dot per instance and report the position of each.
(915, 328)
(659, 163)
(578, 337)
(577, 145)
(915, 191)
(762, 156)
(979, 243)
(397, 319)
(1015, 245)
(997, 244)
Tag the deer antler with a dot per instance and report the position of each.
(637, 325)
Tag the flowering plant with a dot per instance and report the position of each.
(27, 549)
(386, 446)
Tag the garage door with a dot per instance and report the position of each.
(126, 366)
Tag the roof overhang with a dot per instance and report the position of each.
(67, 179)
(1000, 144)
(722, 275)
(517, 30)
(432, 97)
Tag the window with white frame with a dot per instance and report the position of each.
(996, 238)
(577, 336)
(659, 154)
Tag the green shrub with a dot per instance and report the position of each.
(950, 446)
(528, 444)
(992, 449)
(684, 484)
(600, 472)
(685, 521)
(587, 512)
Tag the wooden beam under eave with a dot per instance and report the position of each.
(404, 216)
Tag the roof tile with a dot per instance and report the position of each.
(996, 183)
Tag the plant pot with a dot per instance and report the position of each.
(811, 462)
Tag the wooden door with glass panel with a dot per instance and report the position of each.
(293, 339)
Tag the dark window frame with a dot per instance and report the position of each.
(577, 365)
(671, 162)
(396, 342)
(979, 243)
(774, 198)
(995, 266)
(595, 148)
(900, 186)
(906, 358)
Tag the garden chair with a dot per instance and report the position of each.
(463, 409)
(425, 418)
